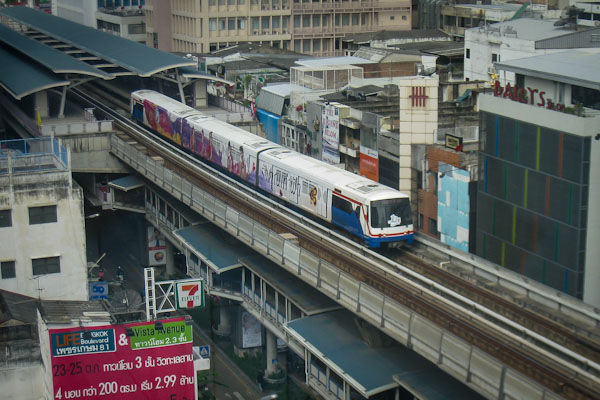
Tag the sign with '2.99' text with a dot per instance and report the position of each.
(125, 362)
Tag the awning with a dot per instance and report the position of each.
(336, 340)
(463, 97)
(214, 246)
(127, 183)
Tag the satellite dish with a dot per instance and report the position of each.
(126, 300)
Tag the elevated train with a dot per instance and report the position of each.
(370, 211)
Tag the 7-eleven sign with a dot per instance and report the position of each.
(190, 294)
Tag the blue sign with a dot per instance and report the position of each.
(98, 290)
(204, 351)
(85, 341)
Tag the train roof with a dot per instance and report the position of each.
(346, 182)
(166, 102)
(232, 133)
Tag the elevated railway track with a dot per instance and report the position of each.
(560, 359)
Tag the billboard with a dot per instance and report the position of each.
(157, 248)
(331, 134)
(125, 362)
(251, 331)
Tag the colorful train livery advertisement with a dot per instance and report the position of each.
(125, 362)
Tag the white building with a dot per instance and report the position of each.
(516, 39)
(42, 233)
(127, 21)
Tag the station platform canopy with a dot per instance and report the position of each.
(41, 51)
(301, 294)
(208, 242)
(334, 338)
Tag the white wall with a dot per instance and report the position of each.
(82, 12)
(65, 238)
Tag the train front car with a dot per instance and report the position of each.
(390, 219)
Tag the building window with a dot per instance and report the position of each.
(468, 53)
(5, 218)
(241, 23)
(316, 21)
(43, 266)
(42, 215)
(354, 19)
(404, 18)
(7, 269)
(392, 17)
(212, 24)
(495, 57)
(433, 226)
(265, 22)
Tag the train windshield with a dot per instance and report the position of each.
(390, 213)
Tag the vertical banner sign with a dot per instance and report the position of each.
(190, 294)
(157, 249)
(123, 362)
(331, 134)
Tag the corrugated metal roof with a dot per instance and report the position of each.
(284, 89)
(134, 57)
(575, 67)
(335, 336)
(321, 62)
(208, 241)
(49, 57)
(20, 77)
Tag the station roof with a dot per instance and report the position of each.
(305, 297)
(50, 51)
(219, 250)
(334, 337)
(134, 57)
(127, 183)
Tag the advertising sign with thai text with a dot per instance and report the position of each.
(157, 248)
(331, 134)
(125, 362)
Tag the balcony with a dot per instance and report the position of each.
(354, 6)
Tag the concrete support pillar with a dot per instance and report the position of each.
(170, 261)
(41, 104)
(224, 327)
(200, 96)
(272, 364)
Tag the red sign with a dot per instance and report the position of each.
(531, 96)
(369, 166)
(125, 362)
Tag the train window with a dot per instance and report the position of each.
(42, 215)
(341, 204)
(390, 213)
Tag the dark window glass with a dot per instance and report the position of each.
(341, 204)
(383, 210)
(536, 192)
(527, 144)
(568, 248)
(194, 258)
(546, 238)
(42, 215)
(489, 134)
(169, 214)
(161, 207)
(515, 181)
(506, 139)
(572, 158)
(534, 267)
(493, 249)
(495, 174)
(561, 193)
(556, 276)
(512, 258)
(484, 213)
(7, 269)
(5, 218)
(49, 265)
(468, 53)
(549, 151)
(504, 221)
(524, 233)
(433, 226)
(148, 196)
